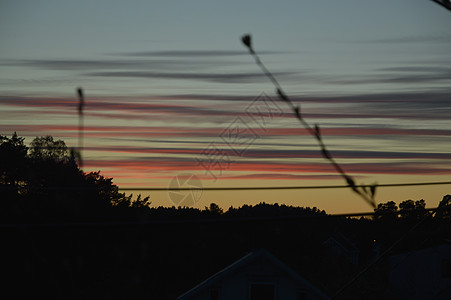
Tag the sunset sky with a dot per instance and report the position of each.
(168, 83)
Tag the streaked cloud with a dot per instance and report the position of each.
(116, 64)
(159, 165)
(212, 77)
(158, 135)
(416, 105)
(193, 53)
(273, 176)
(281, 153)
(411, 75)
(412, 39)
(193, 132)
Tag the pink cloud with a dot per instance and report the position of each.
(173, 131)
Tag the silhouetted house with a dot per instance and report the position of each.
(340, 247)
(421, 274)
(258, 275)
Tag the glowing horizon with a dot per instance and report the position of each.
(167, 94)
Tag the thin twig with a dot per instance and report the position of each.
(445, 3)
(81, 104)
(365, 193)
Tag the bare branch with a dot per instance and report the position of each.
(364, 193)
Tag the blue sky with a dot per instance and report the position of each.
(165, 79)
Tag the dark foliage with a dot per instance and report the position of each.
(67, 234)
(43, 184)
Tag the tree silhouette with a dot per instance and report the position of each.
(140, 202)
(386, 211)
(13, 162)
(214, 210)
(43, 183)
(54, 181)
(13, 155)
(103, 193)
(444, 208)
(410, 209)
(45, 148)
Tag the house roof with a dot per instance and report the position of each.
(343, 242)
(245, 260)
(437, 249)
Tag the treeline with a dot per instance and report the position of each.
(73, 235)
(412, 210)
(43, 183)
(213, 211)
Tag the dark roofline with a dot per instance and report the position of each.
(435, 245)
(344, 241)
(248, 258)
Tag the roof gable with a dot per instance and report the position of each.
(245, 261)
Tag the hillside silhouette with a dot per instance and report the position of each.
(68, 234)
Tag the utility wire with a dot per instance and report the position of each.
(247, 188)
(279, 187)
(388, 250)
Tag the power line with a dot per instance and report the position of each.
(247, 188)
(431, 214)
(279, 187)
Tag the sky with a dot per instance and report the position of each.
(174, 98)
